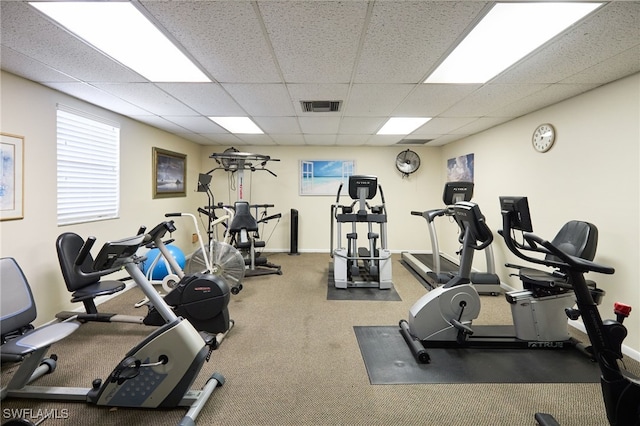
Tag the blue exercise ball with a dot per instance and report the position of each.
(160, 268)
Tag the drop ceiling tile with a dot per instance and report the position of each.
(319, 125)
(482, 123)
(314, 42)
(193, 137)
(362, 125)
(442, 125)
(405, 39)
(26, 30)
(548, 96)
(320, 139)
(491, 97)
(352, 140)
(430, 100)
(98, 97)
(278, 125)
(382, 140)
(226, 139)
(619, 66)
(288, 139)
(195, 124)
(256, 139)
(261, 99)
(599, 37)
(147, 96)
(375, 100)
(26, 67)
(209, 99)
(445, 139)
(160, 123)
(225, 37)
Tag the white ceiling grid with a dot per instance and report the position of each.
(266, 56)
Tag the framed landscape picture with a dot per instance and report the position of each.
(11, 177)
(323, 177)
(169, 174)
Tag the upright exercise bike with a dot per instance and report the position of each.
(156, 373)
(621, 391)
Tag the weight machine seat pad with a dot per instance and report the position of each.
(242, 218)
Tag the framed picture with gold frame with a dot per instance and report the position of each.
(11, 177)
(169, 174)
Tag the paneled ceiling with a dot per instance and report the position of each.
(264, 57)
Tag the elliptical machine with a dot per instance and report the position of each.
(355, 266)
(443, 317)
(156, 373)
(621, 391)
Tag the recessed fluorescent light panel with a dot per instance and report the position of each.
(508, 33)
(122, 32)
(238, 125)
(402, 125)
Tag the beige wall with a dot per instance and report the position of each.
(29, 110)
(588, 175)
(417, 192)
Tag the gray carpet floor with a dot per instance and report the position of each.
(293, 358)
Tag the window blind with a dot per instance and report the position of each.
(88, 158)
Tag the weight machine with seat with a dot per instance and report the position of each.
(244, 227)
(245, 236)
(355, 266)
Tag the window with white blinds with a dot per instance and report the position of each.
(88, 158)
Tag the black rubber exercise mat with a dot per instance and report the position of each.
(389, 361)
(358, 293)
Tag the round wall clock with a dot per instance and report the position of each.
(543, 137)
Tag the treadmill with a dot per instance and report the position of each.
(436, 270)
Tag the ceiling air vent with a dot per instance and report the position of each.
(320, 106)
(414, 141)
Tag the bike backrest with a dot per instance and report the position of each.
(68, 246)
(17, 307)
(576, 238)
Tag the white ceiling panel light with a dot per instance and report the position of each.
(237, 125)
(402, 125)
(508, 33)
(122, 32)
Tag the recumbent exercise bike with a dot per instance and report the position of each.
(620, 390)
(156, 373)
(443, 317)
(202, 299)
